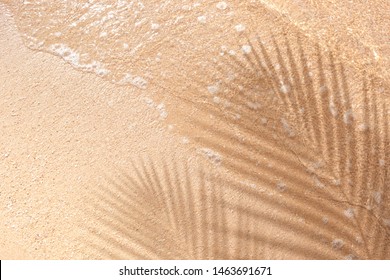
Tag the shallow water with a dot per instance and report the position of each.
(110, 38)
(123, 41)
(132, 42)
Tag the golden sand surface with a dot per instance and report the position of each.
(194, 129)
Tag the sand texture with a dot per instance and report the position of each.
(195, 129)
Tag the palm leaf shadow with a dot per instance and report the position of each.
(349, 150)
(286, 117)
(310, 177)
(166, 211)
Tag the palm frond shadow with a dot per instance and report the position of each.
(166, 212)
(287, 119)
(354, 156)
(311, 169)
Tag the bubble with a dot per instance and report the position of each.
(222, 5)
(239, 27)
(337, 244)
(246, 49)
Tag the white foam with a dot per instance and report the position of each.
(216, 99)
(287, 128)
(72, 57)
(162, 110)
(222, 5)
(348, 117)
(253, 105)
(213, 89)
(281, 186)
(332, 108)
(349, 213)
(337, 244)
(317, 182)
(139, 82)
(284, 88)
(363, 127)
(377, 197)
(211, 155)
(323, 89)
(134, 80)
(155, 26)
(239, 27)
(246, 49)
(202, 19)
(336, 182)
(102, 72)
(149, 101)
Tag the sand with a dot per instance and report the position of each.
(232, 130)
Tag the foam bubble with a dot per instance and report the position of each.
(239, 27)
(281, 186)
(211, 155)
(246, 49)
(253, 105)
(73, 57)
(349, 213)
(348, 117)
(133, 80)
(222, 5)
(284, 88)
(287, 128)
(213, 89)
(337, 244)
(332, 108)
(202, 19)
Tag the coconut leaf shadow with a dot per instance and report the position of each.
(310, 174)
(289, 118)
(161, 212)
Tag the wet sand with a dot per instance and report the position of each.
(222, 153)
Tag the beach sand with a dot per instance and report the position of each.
(229, 130)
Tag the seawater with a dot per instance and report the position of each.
(171, 44)
(118, 40)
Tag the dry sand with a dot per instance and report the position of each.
(253, 130)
